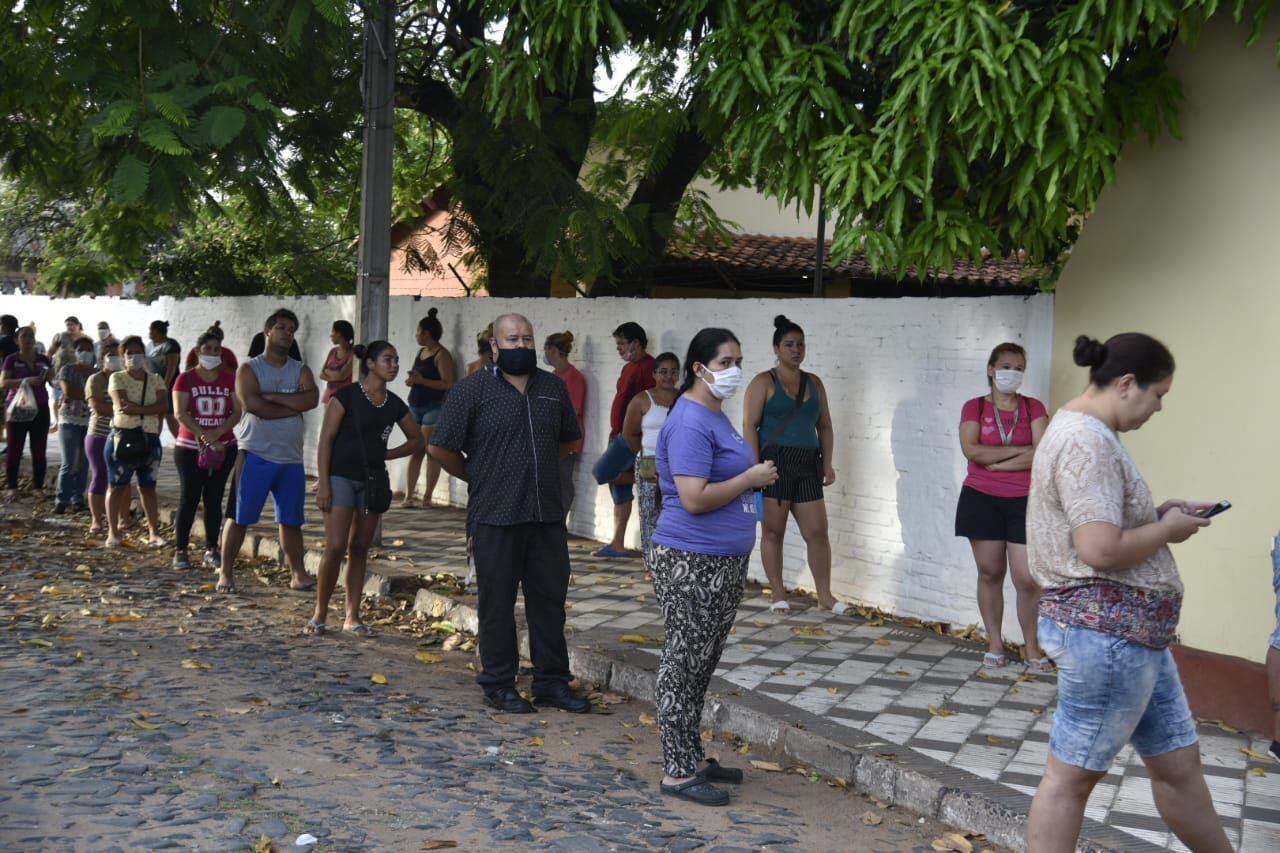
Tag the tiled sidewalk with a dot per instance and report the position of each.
(902, 685)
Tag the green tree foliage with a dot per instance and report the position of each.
(937, 128)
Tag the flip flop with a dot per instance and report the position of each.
(314, 628)
(780, 607)
(994, 660)
(840, 608)
(609, 552)
(360, 630)
(225, 588)
(717, 772)
(697, 790)
(1040, 664)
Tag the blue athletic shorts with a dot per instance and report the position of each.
(1112, 691)
(255, 478)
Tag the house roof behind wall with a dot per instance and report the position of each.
(760, 256)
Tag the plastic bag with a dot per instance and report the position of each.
(23, 407)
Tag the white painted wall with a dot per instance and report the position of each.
(897, 370)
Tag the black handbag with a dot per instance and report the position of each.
(377, 484)
(131, 444)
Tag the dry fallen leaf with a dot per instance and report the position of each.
(767, 766)
(534, 741)
(645, 719)
(994, 739)
(439, 844)
(901, 672)
(428, 657)
(378, 678)
(872, 818)
(953, 841)
(833, 689)
(638, 639)
(190, 663)
(127, 694)
(143, 724)
(810, 632)
(1258, 771)
(264, 845)
(36, 642)
(940, 712)
(1257, 756)
(129, 617)
(882, 642)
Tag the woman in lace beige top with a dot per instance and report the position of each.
(1099, 546)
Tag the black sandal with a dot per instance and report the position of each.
(716, 772)
(697, 790)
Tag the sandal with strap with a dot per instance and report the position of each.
(697, 790)
(225, 588)
(780, 607)
(314, 628)
(360, 630)
(1040, 664)
(994, 660)
(717, 772)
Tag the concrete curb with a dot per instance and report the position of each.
(890, 772)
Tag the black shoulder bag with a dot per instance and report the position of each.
(377, 484)
(131, 445)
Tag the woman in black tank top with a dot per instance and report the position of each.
(430, 379)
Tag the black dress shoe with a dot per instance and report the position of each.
(508, 701)
(563, 698)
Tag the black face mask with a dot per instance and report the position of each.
(518, 362)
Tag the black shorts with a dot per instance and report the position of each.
(799, 474)
(983, 516)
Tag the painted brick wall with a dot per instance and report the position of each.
(897, 371)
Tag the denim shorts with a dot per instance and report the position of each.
(345, 491)
(426, 415)
(1275, 583)
(120, 473)
(1112, 691)
(622, 493)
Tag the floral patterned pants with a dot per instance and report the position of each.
(699, 595)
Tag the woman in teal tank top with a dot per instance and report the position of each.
(786, 420)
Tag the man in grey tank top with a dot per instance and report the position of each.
(274, 391)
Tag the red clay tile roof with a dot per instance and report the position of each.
(785, 256)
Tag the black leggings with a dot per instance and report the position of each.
(197, 485)
(19, 433)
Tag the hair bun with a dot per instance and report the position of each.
(432, 312)
(781, 321)
(568, 336)
(217, 324)
(359, 350)
(1089, 352)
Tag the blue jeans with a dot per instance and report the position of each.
(617, 458)
(74, 473)
(1112, 691)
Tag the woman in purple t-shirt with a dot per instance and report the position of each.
(999, 432)
(709, 478)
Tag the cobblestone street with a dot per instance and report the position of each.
(141, 711)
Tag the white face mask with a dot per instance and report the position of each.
(210, 362)
(137, 361)
(1008, 381)
(114, 362)
(103, 334)
(726, 383)
(84, 357)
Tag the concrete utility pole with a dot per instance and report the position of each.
(373, 278)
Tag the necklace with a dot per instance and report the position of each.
(365, 391)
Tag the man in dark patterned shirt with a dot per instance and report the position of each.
(503, 429)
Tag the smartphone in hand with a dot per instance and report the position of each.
(1217, 509)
